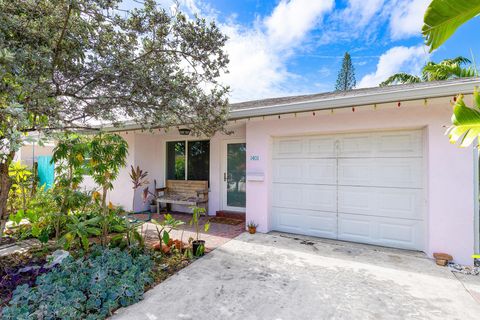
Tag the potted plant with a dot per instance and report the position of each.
(198, 246)
(252, 227)
(153, 206)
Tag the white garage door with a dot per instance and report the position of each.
(363, 187)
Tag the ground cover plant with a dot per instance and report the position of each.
(89, 287)
(18, 269)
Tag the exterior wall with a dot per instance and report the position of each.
(148, 150)
(449, 170)
(28, 152)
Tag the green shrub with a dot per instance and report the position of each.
(87, 288)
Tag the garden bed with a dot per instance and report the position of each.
(89, 286)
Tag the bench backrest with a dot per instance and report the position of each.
(186, 187)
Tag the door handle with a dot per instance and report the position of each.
(224, 176)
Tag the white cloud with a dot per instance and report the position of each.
(291, 20)
(360, 12)
(406, 18)
(258, 56)
(396, 59)
(255, 70)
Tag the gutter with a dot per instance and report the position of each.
(404, 94)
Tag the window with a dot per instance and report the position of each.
(188, 160)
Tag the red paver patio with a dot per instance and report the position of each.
(217, 235)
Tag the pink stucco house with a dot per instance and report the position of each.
(369, 165)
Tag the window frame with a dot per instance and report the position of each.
(186, 141)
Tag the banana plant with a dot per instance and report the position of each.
(443, 17)
(80, 230)
(465, 127)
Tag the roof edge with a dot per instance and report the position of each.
(400, 93)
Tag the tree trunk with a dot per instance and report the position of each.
(105, 216)
(5, 184)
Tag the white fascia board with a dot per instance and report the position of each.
(405, 94)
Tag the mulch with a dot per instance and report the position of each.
(223, 220)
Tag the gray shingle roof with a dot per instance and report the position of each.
(253, 104)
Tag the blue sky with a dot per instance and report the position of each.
(289, 47)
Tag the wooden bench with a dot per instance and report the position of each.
(183, 192)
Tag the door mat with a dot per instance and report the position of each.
(229, 221)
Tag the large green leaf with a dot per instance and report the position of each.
(443, 17)
(465, 121)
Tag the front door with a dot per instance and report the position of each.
(234, 175)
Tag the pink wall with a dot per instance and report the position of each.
(449, 169)
(147, 150)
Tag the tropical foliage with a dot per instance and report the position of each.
(443, 17)
(441, 20)
(465, 127)
(458, 67)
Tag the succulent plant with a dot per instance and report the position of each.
(90, 287)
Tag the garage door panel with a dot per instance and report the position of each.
(313, 197)
(400, 144)
(308, 171)
(356, 145)
(380, 172)
(287, 196)
(320, 147)
(382, 202)
(381, 144)
(399, 233)
(314, 222)
(287, 171)
(320, 171)
(288, 147)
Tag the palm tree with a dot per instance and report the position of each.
(458, 67)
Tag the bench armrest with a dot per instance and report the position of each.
(202, 192)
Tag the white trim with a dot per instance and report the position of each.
(223, 170)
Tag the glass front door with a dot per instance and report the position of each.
(234, 176)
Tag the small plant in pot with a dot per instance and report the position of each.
(153, 206)
(198, 246)
(252, 227)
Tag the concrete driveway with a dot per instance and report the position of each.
(278, 276)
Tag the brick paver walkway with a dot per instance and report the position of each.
(218, 234)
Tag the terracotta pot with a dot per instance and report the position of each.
(165, 249)
(178, 244)
(252, 230)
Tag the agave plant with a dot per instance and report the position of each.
(465, 121)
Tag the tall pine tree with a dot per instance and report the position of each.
(346, 76)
